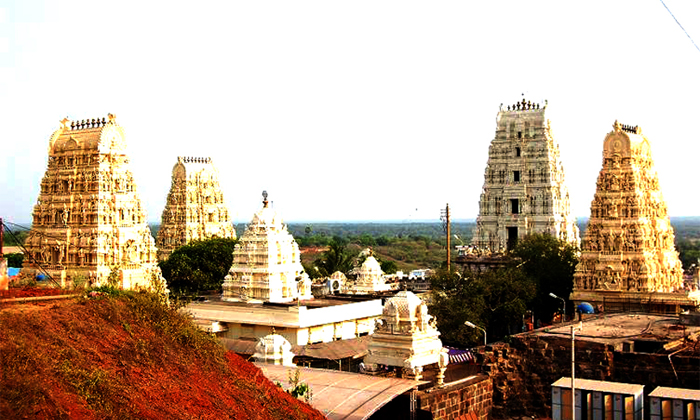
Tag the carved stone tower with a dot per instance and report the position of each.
(266, 263)
(524, 190)
(88, 222)
(628, 249)
(195, 209)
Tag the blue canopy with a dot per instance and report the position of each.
(585, 308)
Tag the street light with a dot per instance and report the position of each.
(573, 367)
(563, 303)
(469, 324)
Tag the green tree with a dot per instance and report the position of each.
(388, 266)
(550, 264)
(15, 259)
(335, 258)
(198, 266)
(494, 300)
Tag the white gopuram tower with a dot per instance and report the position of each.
(524, 190)
(266, 263)
(195, 208)
(89, 225)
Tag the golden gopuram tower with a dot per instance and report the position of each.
(195, 208)
(524, 190)
(628, 260)
(88, 222)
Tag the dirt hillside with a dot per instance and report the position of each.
(126, 355)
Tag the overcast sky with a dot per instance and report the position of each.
(354, 110)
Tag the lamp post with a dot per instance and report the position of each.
(469, 324)
(563, 303)
(573, 368)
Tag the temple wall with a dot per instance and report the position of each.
(471, 398)
(523, 371)
(339, 313)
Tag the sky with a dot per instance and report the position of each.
(347, 111)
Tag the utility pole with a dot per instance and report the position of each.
(445, 218)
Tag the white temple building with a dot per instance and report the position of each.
(370, 277)
(406, 338)
(266, 263)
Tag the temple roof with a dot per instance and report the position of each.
(406, 303)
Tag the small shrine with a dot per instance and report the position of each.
(274, 349)
(628, 259)
(195, 207)
(266, 263)
(89, 225)
(370, 277)
(406, 337)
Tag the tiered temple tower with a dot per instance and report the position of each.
(195, 208)
(88, 222)
(628, 255)
(370, 277)
(524, 190)
(266, 263)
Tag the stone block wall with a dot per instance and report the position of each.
(523, 371)
(456, 400)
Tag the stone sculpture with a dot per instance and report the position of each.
(89, 224)
(524, 188)
(195, 208)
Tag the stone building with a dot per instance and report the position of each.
(195, 208)
(628, 253)
(89, 222)
(266, 263)
(406, 338)
(524, 190)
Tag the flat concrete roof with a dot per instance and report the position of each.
(285, 315)
(600, 386)
(343, 395)
(621, 327)
(676, 393)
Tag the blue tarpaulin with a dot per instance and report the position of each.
(11, 271)
(585, 308)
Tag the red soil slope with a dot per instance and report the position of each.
(126, 356)
(27, 291)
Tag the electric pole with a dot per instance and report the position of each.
(445, 218)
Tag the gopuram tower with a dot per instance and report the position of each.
(195, 208)
(524, 190)
(628, 257)
(266, 263)
(88, 224)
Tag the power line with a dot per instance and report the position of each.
(681, 26)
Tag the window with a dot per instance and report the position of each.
(514, 206)
(517, 152)
(520, 134)
(516, 176)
